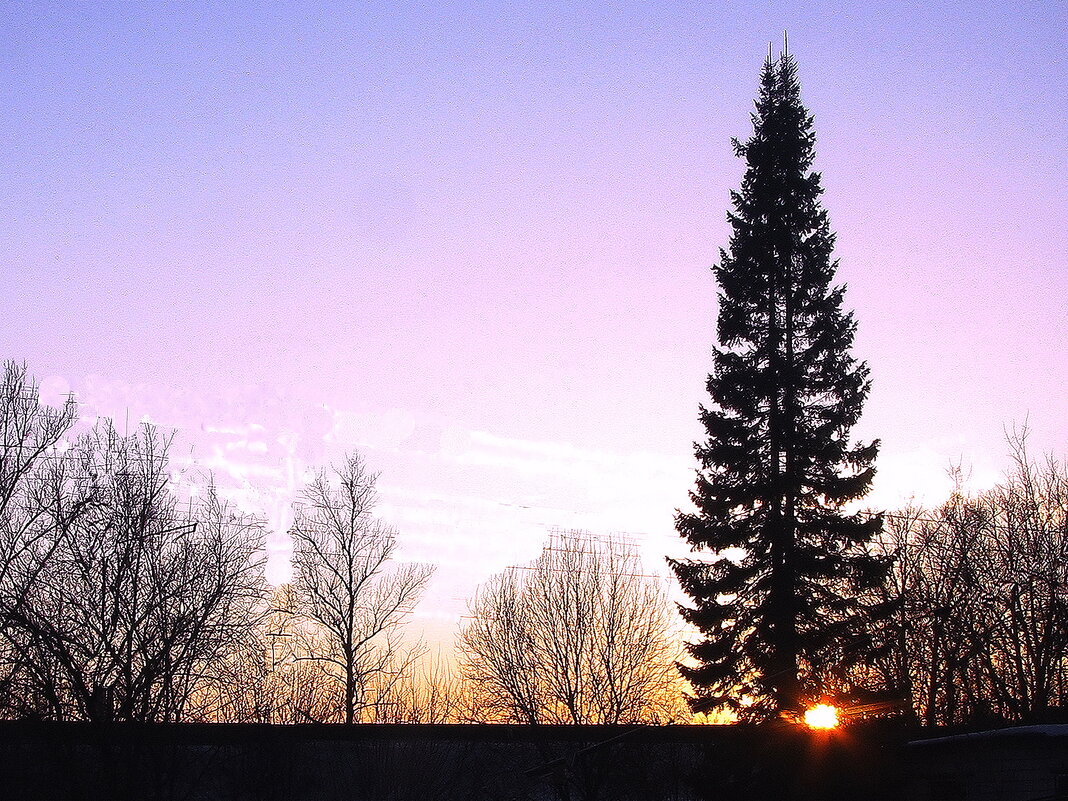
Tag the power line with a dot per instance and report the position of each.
(604, 571)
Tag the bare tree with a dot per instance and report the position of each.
(581, 636)
(29, 434)
(983, 581)
(1026, 658)
(944, 614)
(28, 431)
(348, 587)
(129, 599)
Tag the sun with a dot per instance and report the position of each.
(821, 716)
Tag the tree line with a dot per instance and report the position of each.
(119, 600)
(980, 585)
(123, 600)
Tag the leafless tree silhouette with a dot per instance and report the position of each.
(349, 588)
(983, 580)
(128, 599)
(29, 434)
(582, 636)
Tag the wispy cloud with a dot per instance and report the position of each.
(470, 501)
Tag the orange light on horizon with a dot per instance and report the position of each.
(822, 716)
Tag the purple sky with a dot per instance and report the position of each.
(474, 241)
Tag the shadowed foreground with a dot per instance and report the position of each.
(384, 762)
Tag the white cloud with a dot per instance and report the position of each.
(386, 430)
(470, 501)
(923, 475)
(54, 390)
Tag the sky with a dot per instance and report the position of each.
(473, 242)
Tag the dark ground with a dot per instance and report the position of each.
(169, 762)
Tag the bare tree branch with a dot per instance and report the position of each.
(582, 637)
(348, 587)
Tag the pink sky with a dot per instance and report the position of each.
(474, 242)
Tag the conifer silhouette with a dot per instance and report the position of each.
(778, 605)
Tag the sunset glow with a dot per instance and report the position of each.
(822, 716)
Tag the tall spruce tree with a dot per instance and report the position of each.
(778, 605)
